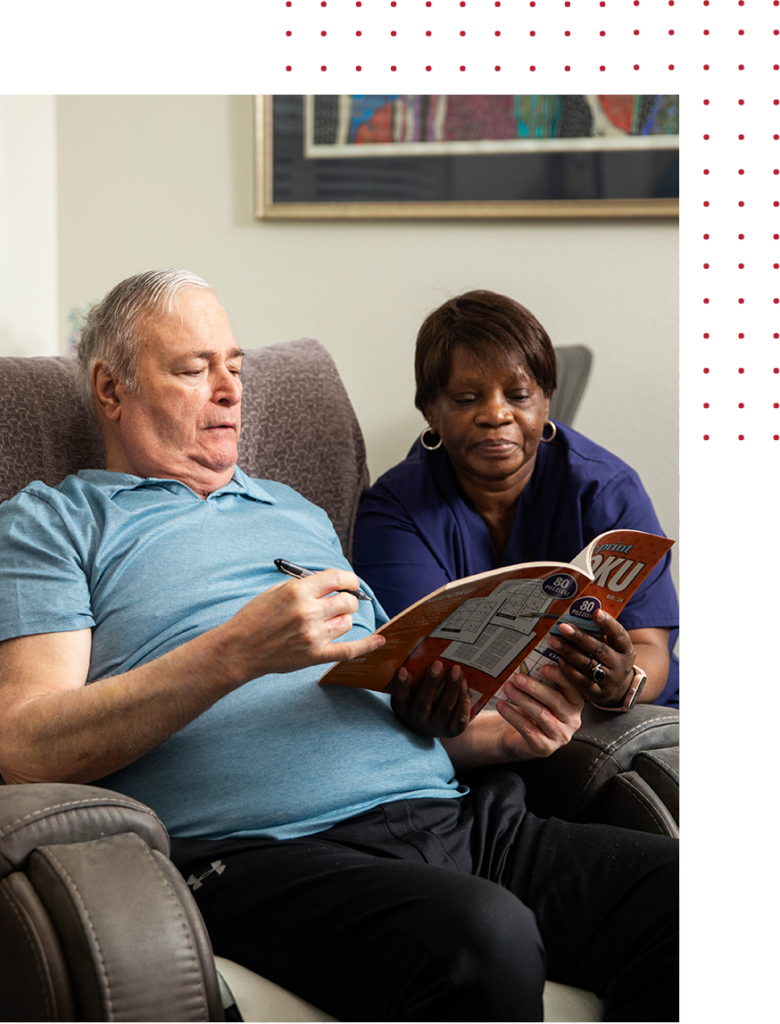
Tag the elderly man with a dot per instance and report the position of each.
(147, 644)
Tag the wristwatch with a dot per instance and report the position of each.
(632, 694)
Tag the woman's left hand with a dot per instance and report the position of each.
(600, 666)
(437, 705)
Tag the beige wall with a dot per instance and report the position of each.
(167, 181)
(28, 226)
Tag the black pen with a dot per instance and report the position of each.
(291, 569)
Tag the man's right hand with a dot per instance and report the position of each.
(293, 625)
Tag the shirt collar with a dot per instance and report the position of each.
(113, 483)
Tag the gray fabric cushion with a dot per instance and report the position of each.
(299, 427)
(45, 434)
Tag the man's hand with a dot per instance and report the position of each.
(540, 719)
(536, 723)
(293, 625)
(437, 705)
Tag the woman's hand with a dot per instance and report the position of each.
(600, 666)
(438, 705)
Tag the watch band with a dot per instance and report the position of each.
(632, 694)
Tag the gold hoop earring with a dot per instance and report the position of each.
(429, 447)
(554, 432)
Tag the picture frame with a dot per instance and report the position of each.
(291, 186)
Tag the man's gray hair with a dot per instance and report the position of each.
(112, 328)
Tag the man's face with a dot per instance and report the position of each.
(184, 422)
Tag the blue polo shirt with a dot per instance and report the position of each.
(147, 565)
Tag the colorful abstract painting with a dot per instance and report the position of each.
(339, 126)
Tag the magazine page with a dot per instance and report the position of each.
(496, 622)
(486, 623)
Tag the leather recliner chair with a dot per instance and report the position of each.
(95, 921)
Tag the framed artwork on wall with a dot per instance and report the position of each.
(382, 157)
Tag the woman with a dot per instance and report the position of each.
(492, 481)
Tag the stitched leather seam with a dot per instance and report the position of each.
(672, 770)
(72, 803)
(591, 772)
(36, 953)
(647, 808)
(184, 924)
(85, 912)
(640, 727)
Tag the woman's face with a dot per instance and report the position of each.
(490, 417)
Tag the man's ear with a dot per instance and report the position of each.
(105, 394)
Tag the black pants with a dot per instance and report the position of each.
(448, 910)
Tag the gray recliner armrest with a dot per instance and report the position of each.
(632, 803)
(58, 812)
(576, 782)
(660, 769)
(95, 921)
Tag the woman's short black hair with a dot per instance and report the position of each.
(487, 325)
